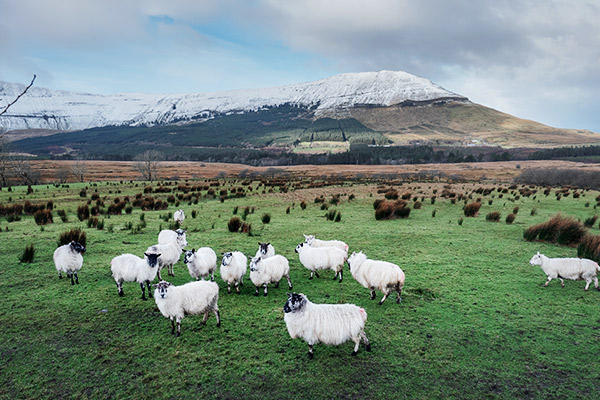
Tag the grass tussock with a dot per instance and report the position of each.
(560, 230)
(74, 234)
(493, 216)
(472, 209)
(391, 209)
(28, 254)
(589, 247)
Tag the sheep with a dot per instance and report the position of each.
(567, 268)
(233, 269)
(269, 270)
(179, 216)
(265, 250)
(201, 263)
(374, 274)
(170, 254)
(192, 298)
(314, 258)
(69, 258)
(314, 242)
(324, 323)
(131, 268)
(166, 236)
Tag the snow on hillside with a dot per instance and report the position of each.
(51, 109)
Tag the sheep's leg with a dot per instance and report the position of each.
(159, 277)
(171, 270)
(316, 274)
(548, 281)
(265, 289)
(178, 327)
(256, 293)
(587, 283)
(70, 275)
(596, 282)
(385, 295)
(335, 276)
(399, 291)
(365, 340)
(172, 326)
(229, 287)
(372, 297)
(311, 352)
(289, 281)
(242, 281)
(237, 288)
(59, 274)
(311, 274)
(276, 284)
(205, 318)
(143, 291)
(562, 282)
(341, 274)
(76, 278)
(120, 288)
(218, 315)
(149, 290)
(212, 276)
(356, 345)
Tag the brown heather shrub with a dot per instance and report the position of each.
(493, 216)
(406, 196)
(417, 205)
(391, 210)
(510, 218)
(234, 224)
(589, 247)
(515, 210)
(558, 229)
(43, 217)
(589, 222)
(472, 209)
(75, 234)
(28, 254)
(83, 212)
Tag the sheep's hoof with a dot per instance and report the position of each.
(340, 281)
(256, 294)
(228, 291)
(177, 334)
(353, 353)
(310, 355)
(265, 295)
(219, 324)
(398, 300)
(335, 277)
(72, 283)
(121, 294)
(60, 277)
(276, 285)
(310, 277)
(369, 347)
(144, 298)
(77, 281)
(381, 302)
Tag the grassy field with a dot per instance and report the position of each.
(474, 321)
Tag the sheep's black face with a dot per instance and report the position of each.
(162, 288)
(187, 258)
(298, 247)
(294, 303)
(180, 232)
(253, 262)
(78, 247)
(152, 259)
(264, 247)
(226, 259)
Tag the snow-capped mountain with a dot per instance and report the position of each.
(52, 109)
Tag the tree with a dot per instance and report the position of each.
(79, 169)
(148, 164)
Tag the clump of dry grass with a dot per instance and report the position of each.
(558, 229)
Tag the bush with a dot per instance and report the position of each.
(75, 234)
(83, 212)
(417, 205)
(472, 209)
(266, 218)
(589, 222)
(43, 217)
(234, 224)
(493, 216)
(510, 218)
(303, 205)
(515, 210)
(63, 215)
(558, 229)
(391, 209)
(28, 254)
(589, 247)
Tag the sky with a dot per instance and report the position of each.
(535, 59)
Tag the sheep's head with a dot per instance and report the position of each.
(308, 239)
(536, 259)
(180, 232)
(263, 247)
(152, 259)
(295, 302)
(188, 256)
(297, 249)
(162, 288)
(181, 241)
(356, 259)
(78, 247)
(254, 262)
(226, 258)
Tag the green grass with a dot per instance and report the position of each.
(474, 321)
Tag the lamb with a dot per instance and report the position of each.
(567, 268)
(233, 269)
(314, 258)
(269, 270)
(166, 236)
(325, 323)
(69, 258)
(131, 268)
(201, 263)
(179, 216)
(192, 298)
(265, 250)
(170, 254)
(374, 274)
(314, 242)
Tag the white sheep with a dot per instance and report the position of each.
(192, 298)
(201, 262)
(314, 242)
(233, 269)
(131, 268)
(315, 258)
(169, 254)
(167, 235)
(265, 250)
(179, 216)
(374, 274)
(567, 268)
(69, 258)
(269, 270)
(325, 323)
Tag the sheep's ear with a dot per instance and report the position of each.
(305, 236)
(289, 294)
(193, 251)
(538, 253)
(268, 243)
(259, 243)
(146, 254)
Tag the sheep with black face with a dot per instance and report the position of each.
(131, 268)
(325, 323)
(69, 258)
